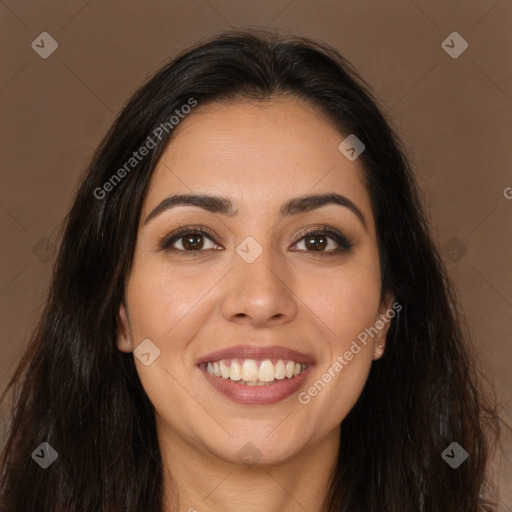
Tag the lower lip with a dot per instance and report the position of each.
(257, 395)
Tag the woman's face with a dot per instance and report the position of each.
(252, 295)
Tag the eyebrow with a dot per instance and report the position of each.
(224, 206)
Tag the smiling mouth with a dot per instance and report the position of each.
(253, 372)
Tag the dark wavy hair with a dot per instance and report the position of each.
(75, 390)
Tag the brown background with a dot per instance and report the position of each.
(454, 116)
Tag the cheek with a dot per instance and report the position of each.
(341, 393)
(160, 299)
(347, 302)
(164, 308)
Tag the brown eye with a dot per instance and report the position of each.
(318, 240)
(193, 241)
(189, 240)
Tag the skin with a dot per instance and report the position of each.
(192, 303)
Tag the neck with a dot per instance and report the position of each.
(199, 481)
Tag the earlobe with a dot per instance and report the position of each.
(380, 340)
(124, 342)
(386, 315)
(379, 352)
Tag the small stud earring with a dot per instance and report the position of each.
(380, 346)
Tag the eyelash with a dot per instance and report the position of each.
(344, 244)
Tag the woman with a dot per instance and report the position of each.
(247, 311)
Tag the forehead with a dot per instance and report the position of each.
(257, 153)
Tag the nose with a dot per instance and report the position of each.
(260, 293)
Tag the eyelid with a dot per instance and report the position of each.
(344, 243)
(165, 242)
(322, 229)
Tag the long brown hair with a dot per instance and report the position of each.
(74, 390)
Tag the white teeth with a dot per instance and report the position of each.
(224, 370)
(290, 366)
(280, 370)
(254, 373)
(266, 372)
(250, 370)
(235, 371)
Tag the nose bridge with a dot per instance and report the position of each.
(264, 271)
(258, 264)
(260, 285)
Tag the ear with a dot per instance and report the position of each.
(386, 314)
(124, 341)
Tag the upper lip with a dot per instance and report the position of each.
(256, 352)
